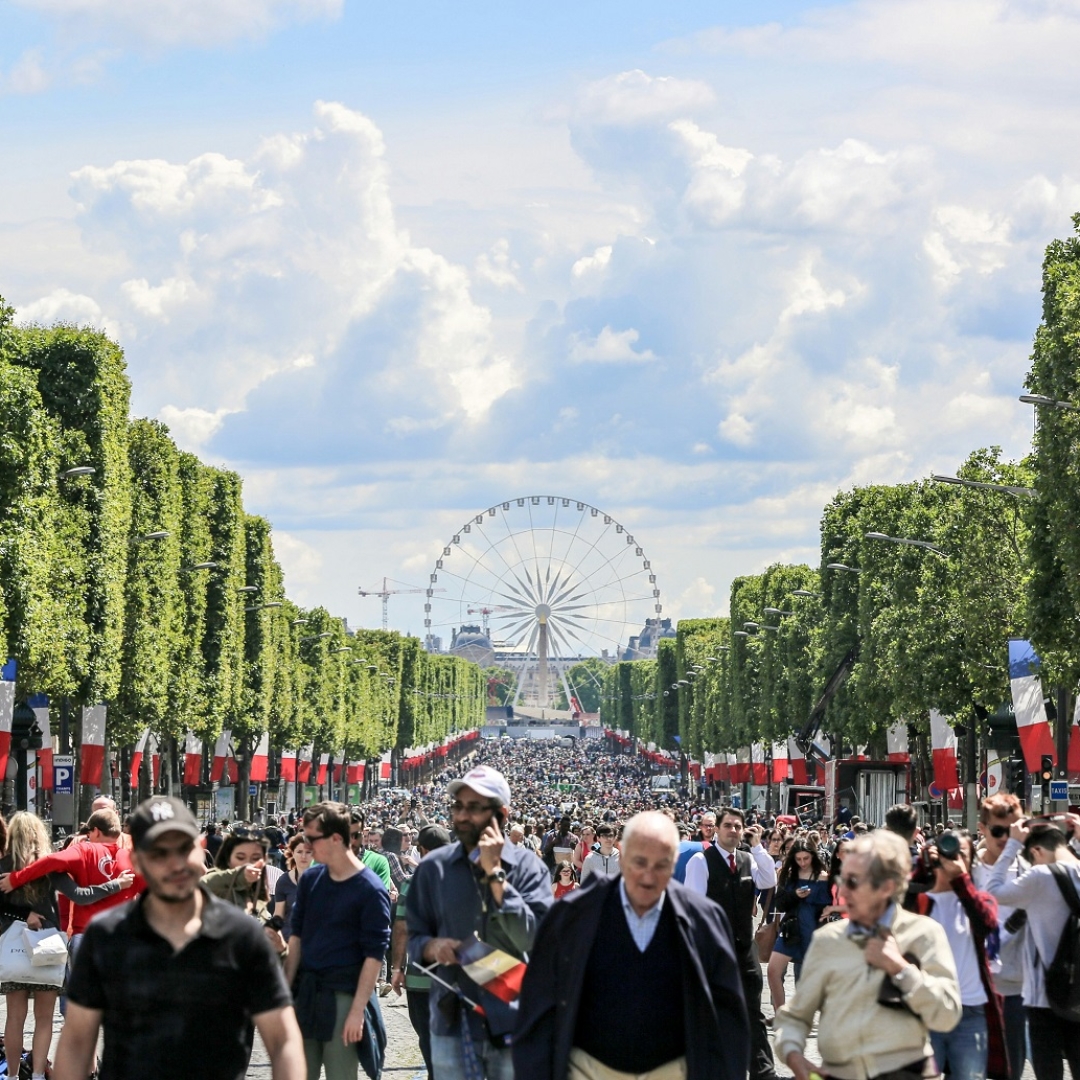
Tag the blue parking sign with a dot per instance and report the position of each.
(63, 774)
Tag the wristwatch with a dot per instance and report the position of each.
(498, 875)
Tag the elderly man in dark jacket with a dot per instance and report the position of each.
(634, 976)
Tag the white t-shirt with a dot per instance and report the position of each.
(950, 914)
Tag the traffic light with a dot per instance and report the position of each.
(1014, 776)
(1046, 769)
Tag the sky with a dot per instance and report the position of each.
(698, 265)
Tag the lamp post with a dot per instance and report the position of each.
(1007, 489)
(907, 541)
(842, 568)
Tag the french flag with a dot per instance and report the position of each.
(759, 770)
(260, 760)
(339, 768)
(324, 765)
(7, 712)
(740, 771)
(155, 764)
(192, 760)
(493, 970)
(797, 760)
(221, 755)
(1073, 763)
(93, 745)
(1027, 695)
(303, 768)
(384, 766)
(39, 705)
(943, 745)
(288, 766)
(136, 759)
(779, 762)
(354, 774)
(896, 742)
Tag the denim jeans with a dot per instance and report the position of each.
(447, 1064)
(963, 1051)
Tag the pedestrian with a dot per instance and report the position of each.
(802, 894)
(872, 1025)
(175, 971)
(416, 984)
(605, 862)
(370, 858)
(636, 976)
(731, 876)
(565, 880)
(298, 858)
(1052, 1039)
(340, 931)
(482, 887)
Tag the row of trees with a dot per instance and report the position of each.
(131, 574)
(930, 626)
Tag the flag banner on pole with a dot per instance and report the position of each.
(1027, 696)
(192, 760)
(759, 771)
(384, 766)
(93, 745)
(7, 712)
(779, 762)
(324, 764)
(797, 759)
(896, 742)
(288, 765)
(493, 970)
(39, 706)
(354, 772)
(136, 759)
(740, 774)
(221, 755)
(1073, 764)
(260, 760)
(155, 764)
(943, 744)
(303, 767)
(339, 768)
(995, 775)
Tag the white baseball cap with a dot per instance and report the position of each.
(484, 780)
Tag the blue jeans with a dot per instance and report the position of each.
(447, 1064)
(963, 1051)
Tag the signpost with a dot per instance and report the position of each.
(1059, 790)
(63, 795)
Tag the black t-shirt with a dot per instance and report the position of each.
(171, 1015)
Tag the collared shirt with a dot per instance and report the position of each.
(642, 927)
(857, 930)
(158, 1003)
(762, 869)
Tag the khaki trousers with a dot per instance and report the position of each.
(585, 1067)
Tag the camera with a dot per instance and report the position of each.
(948, 845)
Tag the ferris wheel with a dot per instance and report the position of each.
(554, 580)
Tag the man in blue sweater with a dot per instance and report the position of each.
(340, 931)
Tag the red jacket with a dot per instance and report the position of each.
(86, 864)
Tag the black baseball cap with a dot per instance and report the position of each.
(159, 815)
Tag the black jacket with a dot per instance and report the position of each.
(717, 1031)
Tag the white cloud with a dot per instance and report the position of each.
(202, 23)
(632, 97)
(302, 565)
(62, 305)
(193, 428)
(608, 347)
(27, 74)
(592, 264)
(498, 268)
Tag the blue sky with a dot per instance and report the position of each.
(699, 265)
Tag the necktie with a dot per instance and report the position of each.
(731, 862)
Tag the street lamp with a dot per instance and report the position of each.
(344, 648)
(1008, 489)
(162, 534)
(201, 566)
(749, 625)
(78, 470)
(805, 592)
(924, 544)
(1042, 399)
(248, 588)
(299, 622)
(777, 611)
(842, 568)
(739, 633)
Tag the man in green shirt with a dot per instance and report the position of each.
(416, 984)
(371, 859)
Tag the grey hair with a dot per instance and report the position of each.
(656, 826)
(890, 859)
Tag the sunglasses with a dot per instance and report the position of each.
(848, 881)
(998, 831)
(243, 832)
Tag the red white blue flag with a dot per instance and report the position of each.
(493, 970)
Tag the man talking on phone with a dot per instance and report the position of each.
(479, 887)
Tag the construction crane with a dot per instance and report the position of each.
(385, 593)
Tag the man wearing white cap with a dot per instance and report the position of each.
(478, 887)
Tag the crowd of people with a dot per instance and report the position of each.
(547, 915)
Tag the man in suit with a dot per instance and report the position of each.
(633, 976)
(730, 875)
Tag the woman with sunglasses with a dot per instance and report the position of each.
(242, 878)
(565, 880)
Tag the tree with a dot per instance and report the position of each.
(586, 684)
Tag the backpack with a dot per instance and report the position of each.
(1063, 974)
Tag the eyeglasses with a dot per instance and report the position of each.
(565, 871)
(355, 835)
(472, 809)
(312, 839)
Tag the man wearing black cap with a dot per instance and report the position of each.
(175, 969)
